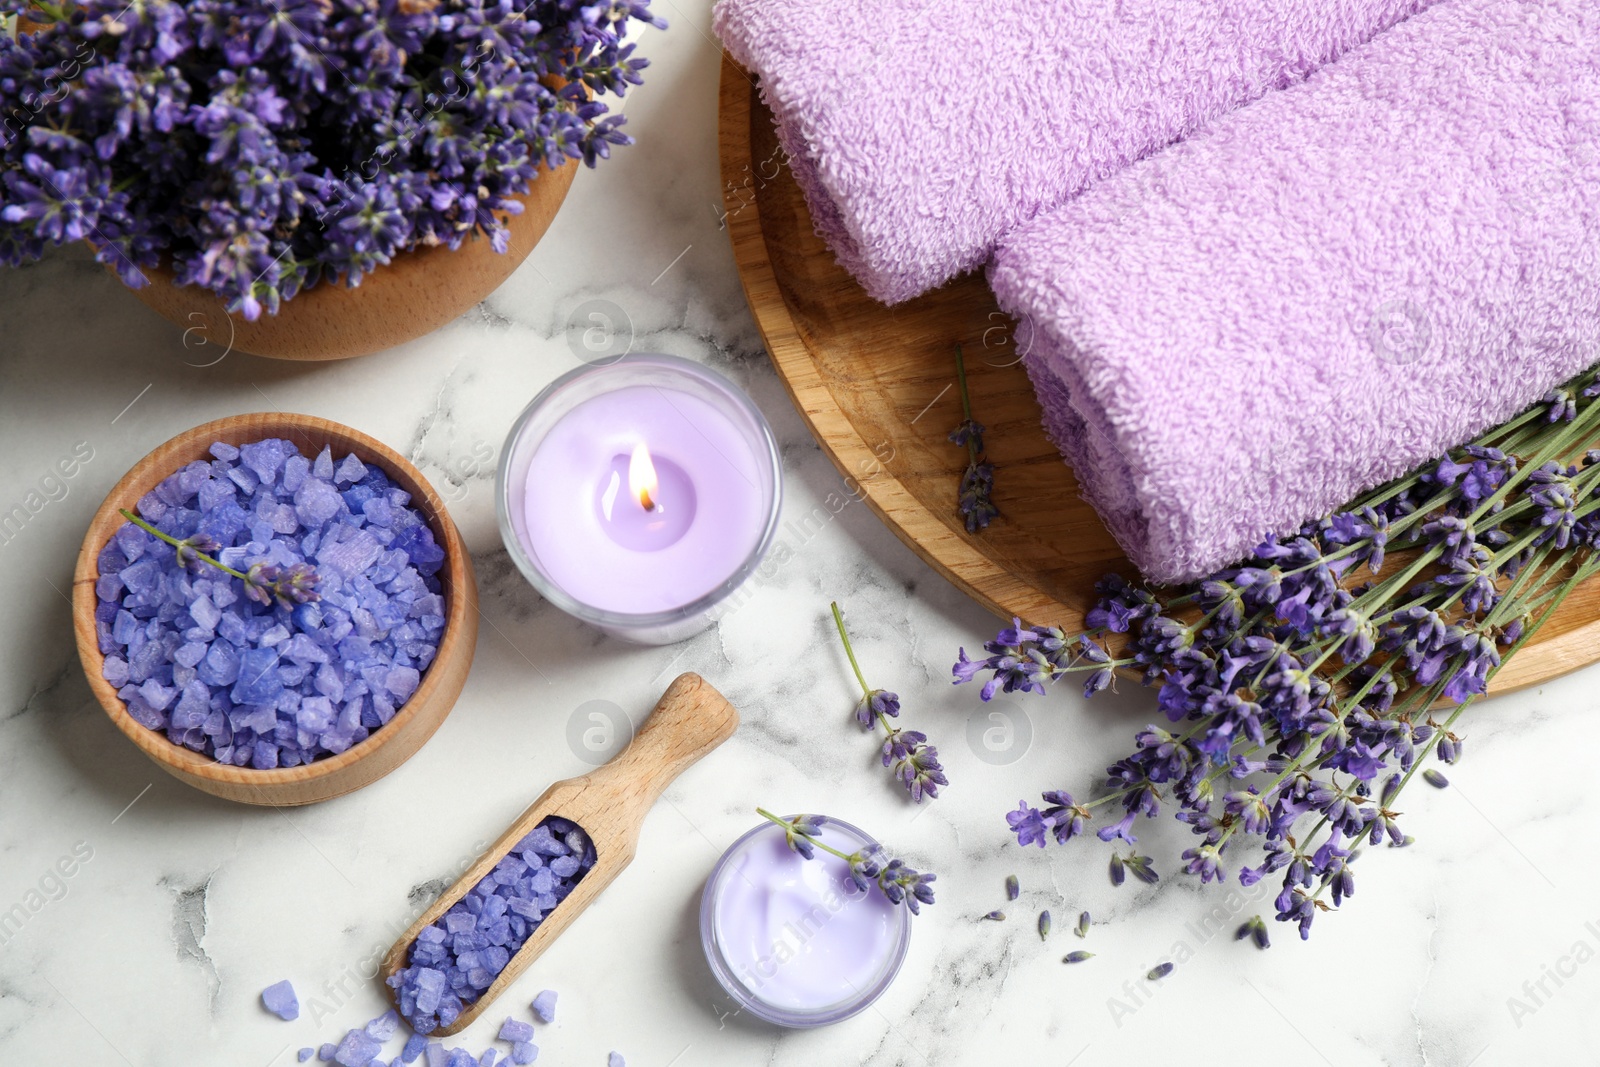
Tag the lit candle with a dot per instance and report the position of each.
(638, 496)
(793, 940)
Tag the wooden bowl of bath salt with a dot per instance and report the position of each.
(389, 744)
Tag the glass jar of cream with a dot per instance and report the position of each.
(795, 941)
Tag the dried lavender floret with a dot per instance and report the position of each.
(1159, 971)
(1077, 957)
(280, 1000)
(1013, 887)
(290, 680)
(453, 960)
(1044, 925)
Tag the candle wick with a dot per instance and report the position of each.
(645, 501)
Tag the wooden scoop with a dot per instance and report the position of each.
(610, 804)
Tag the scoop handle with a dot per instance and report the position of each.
(689, 720)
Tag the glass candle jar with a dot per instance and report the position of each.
(639, 495)
(795, 941)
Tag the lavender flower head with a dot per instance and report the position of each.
(1304, 688)
(899, 883)
(261, 147)
(913, 762)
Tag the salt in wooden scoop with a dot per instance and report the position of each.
(609, 804)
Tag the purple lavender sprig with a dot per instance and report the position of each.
(973, 501)
(898, 882)
(913, 762)
(1300, 699)
(259, 149)
(263, 582)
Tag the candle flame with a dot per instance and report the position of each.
(642, 477)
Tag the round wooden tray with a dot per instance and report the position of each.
(877, 386)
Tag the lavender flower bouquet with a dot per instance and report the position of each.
(262, 147)
(1305, 689)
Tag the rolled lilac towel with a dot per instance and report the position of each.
(1325, 288)
(922, 130)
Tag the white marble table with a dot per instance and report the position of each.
(156, 948)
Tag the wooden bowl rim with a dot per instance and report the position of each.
(172, 454)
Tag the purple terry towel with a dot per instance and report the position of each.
(1325, 288)
(923, 130)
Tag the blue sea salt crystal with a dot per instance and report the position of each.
(615, 1060)
(415, 1044)
(325, 1053)
(305, 1054)
(384, 1026)
(280, 1000)
(270, 685)
(487, 1059)
(258, 681)
(524, 1052)
(544, 1006)
(316, 502)
(358, 1049)
(515, 1030)
(350, 470)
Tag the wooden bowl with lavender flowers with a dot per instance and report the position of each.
(390, 744)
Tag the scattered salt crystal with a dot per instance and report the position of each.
(358, 1049)
(524, 1052)
(305, 1054)
(487, 1059)
(280, 1000)
(224, 451)
(414, 1046)
(544, 1006)
(615, 1060)
(515, 1030)
(384, 1026)
(325, 1053)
